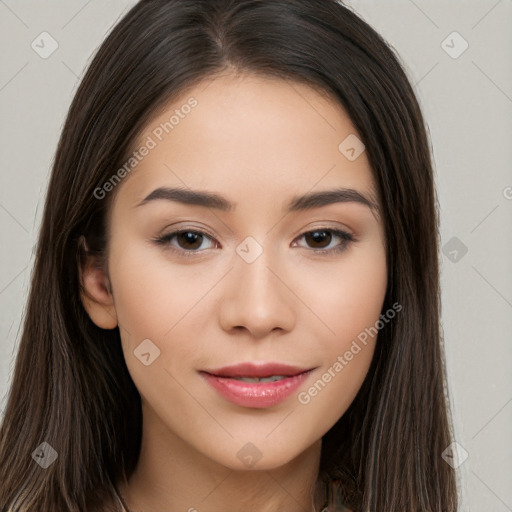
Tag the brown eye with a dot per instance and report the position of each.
(318, 237)
(187, 241)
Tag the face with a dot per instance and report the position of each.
(266, 280)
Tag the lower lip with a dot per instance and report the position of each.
(255, 394)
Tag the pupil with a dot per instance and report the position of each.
(318, 235)
(190, 237)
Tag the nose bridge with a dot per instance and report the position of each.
(253, 271)
(257, 299)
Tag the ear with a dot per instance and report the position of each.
(95, 290)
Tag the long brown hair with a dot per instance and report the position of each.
(71, 387)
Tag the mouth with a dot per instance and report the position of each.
(257, 372)
(272, 378)
(256, 385)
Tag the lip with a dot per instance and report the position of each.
(257, 370)
(258, 394)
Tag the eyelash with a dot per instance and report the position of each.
(347, 238)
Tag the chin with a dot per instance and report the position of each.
(259, 457)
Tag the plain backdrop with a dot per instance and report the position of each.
(458, 56)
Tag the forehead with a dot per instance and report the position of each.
(250, 134)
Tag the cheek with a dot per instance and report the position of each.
(150, 294)
(348, 295)
(349, 305)
(160, 302)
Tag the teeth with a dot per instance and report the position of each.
(273, 378)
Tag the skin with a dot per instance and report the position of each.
(258, 142)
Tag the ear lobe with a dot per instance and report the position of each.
(95, 293)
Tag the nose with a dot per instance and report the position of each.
(258, 297)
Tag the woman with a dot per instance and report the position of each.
(255, 369)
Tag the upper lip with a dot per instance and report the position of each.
(257, 370)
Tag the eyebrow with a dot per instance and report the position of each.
(297, 203)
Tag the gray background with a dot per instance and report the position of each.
(467, 102)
